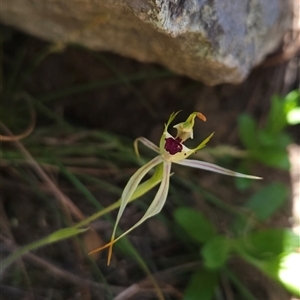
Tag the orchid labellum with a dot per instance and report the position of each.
(171, 150)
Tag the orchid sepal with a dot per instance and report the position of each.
(129, 190)
(166, 126)
(147, 143)
(198, 164)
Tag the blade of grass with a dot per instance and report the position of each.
(56, 191)
(125, 80)
(111, 188)
(15, 69)
(29, 128)
(239, 285)
(33, 65)
(141, 190)
(207, 195)
(99, 84)
(42, 108)
(58, 235)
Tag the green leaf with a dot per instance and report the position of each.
(268, 200)
(247, 131)
(266, 139)
(242, 184)
(284, 269)
(263, 204)
(195, 223)
(202, 285)
(273, 251)
(268, 244)
(276, 120)
(292, 101)
(52, 238)
(216, 252)
(274, 157)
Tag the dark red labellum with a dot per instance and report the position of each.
(173, 146)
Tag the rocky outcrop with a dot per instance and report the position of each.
(215, 41)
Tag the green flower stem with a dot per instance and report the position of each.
(142, 189)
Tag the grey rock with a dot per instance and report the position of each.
(215, 41)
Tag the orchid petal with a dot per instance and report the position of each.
(203, 143)
(130, 189)
(170, 120)
(141, 189)
(213, 168)
(161, 195)
(154, 208)
(147, 143)
(157, 203)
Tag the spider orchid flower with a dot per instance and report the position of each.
(171, 150)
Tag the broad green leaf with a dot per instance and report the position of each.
(268, 200)
(266, 139)
(195, 224)
(274, 157)
(270, 141)
(283, 140)
(292, 101)
(248, 131)
(269, 244)
(276, 120)
(282, 268)
(58, 235)
(202, 285)
(292, 107)
(216, 252)
(262, 205)
(273, 251)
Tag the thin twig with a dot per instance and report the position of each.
(55, 190)
(61, 273)
(28, 130)
(4, 225)
(162, 276)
